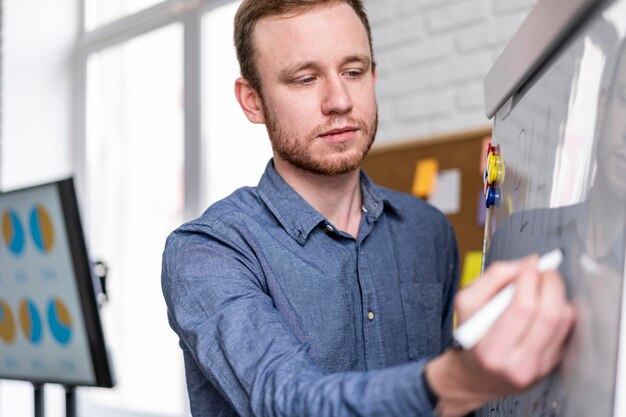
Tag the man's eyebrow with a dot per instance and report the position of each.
(290, 71)
(363, 59)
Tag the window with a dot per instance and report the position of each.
(99, 12)
(163, 136)
(226, 131)
(135, 189)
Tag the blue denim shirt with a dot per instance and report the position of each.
(279, 313)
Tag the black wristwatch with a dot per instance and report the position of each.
(433, 399)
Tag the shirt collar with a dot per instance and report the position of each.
(296, 215)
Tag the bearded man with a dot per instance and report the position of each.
(318, 293)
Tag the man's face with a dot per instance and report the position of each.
(318, 93)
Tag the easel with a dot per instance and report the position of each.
(70, 400)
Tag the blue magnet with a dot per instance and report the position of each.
(494, 197)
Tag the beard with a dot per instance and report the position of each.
(344, 157)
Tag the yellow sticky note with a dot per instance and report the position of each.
(472, 266)
(425, 177)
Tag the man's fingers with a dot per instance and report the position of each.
(497, 276)
(555, 353)
(553, 324)
(528, 340)
(512, 327)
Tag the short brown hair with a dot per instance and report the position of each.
(251, 11)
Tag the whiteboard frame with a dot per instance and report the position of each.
(546, 28)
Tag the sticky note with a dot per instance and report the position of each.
(472, 267)
(446, 194)
(425, 177)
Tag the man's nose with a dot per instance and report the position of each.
(336, 97)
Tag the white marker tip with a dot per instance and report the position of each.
(550, 261)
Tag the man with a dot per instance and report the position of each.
(318, 293)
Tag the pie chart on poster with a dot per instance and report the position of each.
(41, 228)
(60, 321)
(12, 232)
(7, 323)
(30, 321)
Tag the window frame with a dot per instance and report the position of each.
(189, 14)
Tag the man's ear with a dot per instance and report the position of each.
(249, 100)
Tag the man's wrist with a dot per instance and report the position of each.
(447, 377)
(433, 398)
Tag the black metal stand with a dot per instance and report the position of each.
(39, 400)
(70, 401)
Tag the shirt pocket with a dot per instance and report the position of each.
(325, 318)
(421, 303)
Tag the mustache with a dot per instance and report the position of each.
(339, 123)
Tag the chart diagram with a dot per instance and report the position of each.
(50, 330)
(12, 232)
(41, 228)
(60, 321)
(30, 321)
(7, 323)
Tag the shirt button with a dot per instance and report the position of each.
(329, 228)
(370, 315)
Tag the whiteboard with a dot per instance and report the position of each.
(562, 137)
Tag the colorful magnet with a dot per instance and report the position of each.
(494, 166)
(496, 170)
(493, 149)
(494, 197)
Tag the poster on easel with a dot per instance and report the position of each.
(50, 330)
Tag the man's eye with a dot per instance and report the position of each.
(305, 80)
(353, 73)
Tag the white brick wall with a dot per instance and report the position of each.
(432, 58)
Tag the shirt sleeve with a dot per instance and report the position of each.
(245, 348)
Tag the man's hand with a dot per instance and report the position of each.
(523, 346)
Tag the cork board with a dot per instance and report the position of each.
(393, 166)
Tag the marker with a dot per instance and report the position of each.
(474, 328)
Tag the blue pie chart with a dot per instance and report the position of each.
(41, 228)
(60, 321)
(12, 232)
(30, 321)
